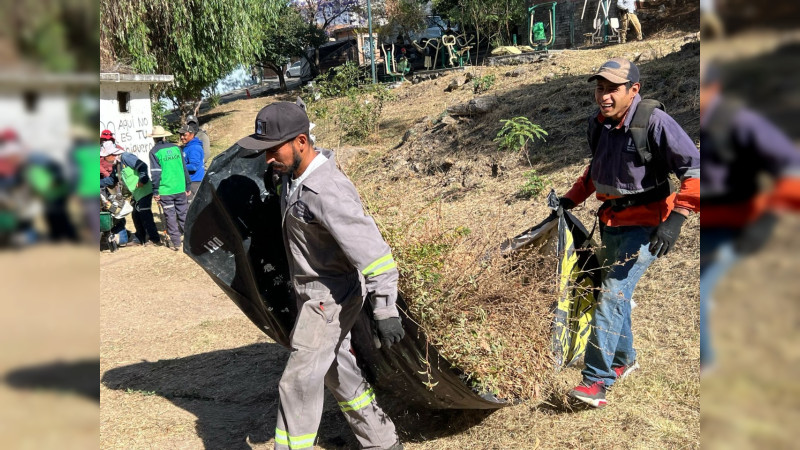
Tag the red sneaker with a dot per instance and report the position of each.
(623, 371)
(593, 393)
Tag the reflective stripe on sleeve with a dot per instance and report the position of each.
(379, 266)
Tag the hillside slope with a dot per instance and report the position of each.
(426, 177)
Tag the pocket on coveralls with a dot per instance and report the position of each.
(314, 323)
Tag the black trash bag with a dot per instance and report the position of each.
(233, 231)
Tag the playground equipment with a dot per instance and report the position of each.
(537, 35)
(458, 48)
(396, 70)
(603, 24)
(430, 64)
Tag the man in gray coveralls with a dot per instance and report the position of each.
(331, 246)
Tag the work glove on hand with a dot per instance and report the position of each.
(665, 235)
(566, 203)
(755, 235)
(390, 331)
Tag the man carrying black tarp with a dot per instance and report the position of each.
(635, 145)
(331, 246)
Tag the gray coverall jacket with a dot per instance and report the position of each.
(329, 237)
(331, 244)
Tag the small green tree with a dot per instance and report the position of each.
(517, 133)
(533, 186)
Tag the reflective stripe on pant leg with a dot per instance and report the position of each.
(294, 442)
(372, 427)
(181, 207)
(358, 402)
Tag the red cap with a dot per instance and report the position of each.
(8, 135)
(106, 134)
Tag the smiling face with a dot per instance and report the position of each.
(186, 137)
(614, 99)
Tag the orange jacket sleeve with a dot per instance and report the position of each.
(582, 188)
(689, 195)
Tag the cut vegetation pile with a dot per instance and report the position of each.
(444, 195)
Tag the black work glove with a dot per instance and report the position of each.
(665, 235)
(566, 203)
(390, 331)
(755, 235)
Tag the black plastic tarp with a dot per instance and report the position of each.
(233, 231)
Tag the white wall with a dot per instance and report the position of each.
(45, 128)
(130, 129)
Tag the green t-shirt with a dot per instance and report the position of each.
(173, 178)
(88, 161)
(131, 178)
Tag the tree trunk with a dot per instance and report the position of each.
(281, 71)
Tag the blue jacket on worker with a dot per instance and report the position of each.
(194, 156)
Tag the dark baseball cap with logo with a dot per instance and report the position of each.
(618, 71)
(275, 124)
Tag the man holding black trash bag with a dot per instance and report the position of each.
(635, 145)
(331, 246)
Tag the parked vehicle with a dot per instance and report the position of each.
(296, 69)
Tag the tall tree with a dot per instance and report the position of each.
(56, 35)
(289, 40)
(324, 13)
(404, 16)
(197, 41)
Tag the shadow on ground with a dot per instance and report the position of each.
(234, 395)
(79, 377)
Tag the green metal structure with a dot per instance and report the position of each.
(537, 35)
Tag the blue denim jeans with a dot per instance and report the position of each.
(624, 257)
(717, 256)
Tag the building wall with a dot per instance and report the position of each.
(130, 129)
(42, 123)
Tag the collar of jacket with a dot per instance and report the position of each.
(626, 122)
(319, 177)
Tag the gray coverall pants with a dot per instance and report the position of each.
(175, 207)
(321, 355)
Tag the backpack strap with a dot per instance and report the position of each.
(593, 136)
(639, 125)
(720, 130)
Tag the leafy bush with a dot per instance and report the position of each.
(517, 133)
(482, 84)
(358, 114)
(159, 112)
(339, 80)
(533, 186)
(214, 100)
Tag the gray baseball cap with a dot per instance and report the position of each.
(617, 70)
(275, 124)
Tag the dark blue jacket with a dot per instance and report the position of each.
(194, 157)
